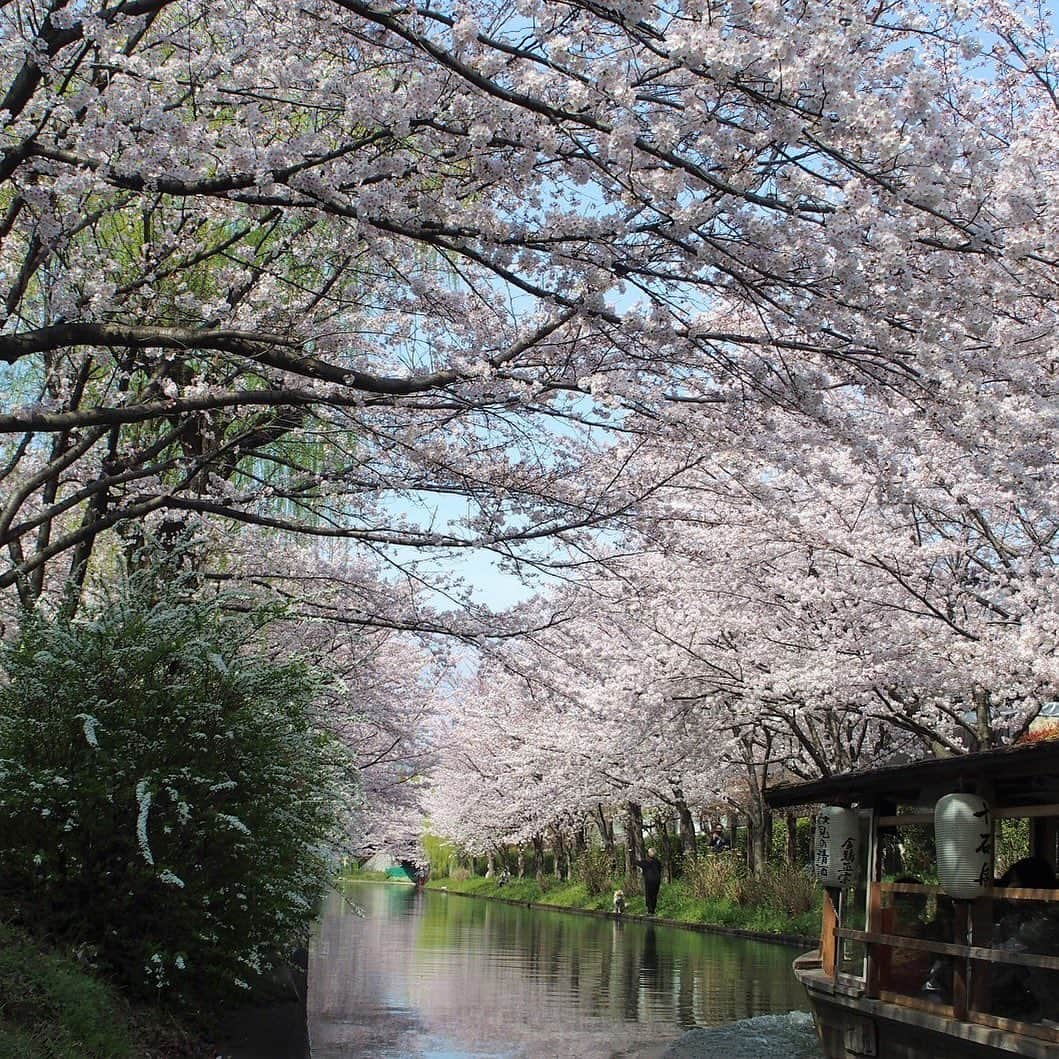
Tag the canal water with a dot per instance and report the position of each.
(400, 974)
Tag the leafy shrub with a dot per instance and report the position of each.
(1012, 843)
(783, 887)
(712, 877)
(595, 868)
(459, 874)
(167, 801)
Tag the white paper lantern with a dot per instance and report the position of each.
(963, 836)
(837, 844)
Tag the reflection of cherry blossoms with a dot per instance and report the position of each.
(430, 972)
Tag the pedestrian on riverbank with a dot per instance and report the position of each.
(651, 867)
(719, 842)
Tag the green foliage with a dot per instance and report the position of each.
(1012, 843)
(439, 853)
(595, 870)
(676, 902)
(669, 848)
(711, 877)
(779, 886)
(909, 850)
(348, 874)
(168, 803)
(50, 1008)
(803, 837)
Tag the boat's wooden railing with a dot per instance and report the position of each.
(971, 961)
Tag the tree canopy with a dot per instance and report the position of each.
(740, 316)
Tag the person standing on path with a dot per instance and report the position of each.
(651, 867)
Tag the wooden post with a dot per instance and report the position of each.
(877, 958)
(828, 937)
(959, 964)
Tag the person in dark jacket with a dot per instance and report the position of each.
(719, 840)
(651, 867)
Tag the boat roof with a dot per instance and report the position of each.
(1024, 774)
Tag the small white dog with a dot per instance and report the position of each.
(619, 902)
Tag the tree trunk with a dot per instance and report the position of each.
(756, 758)
(490, 865)
(606, 832)
(687, 829)
(792, 838)
(521, 862)
(666, 851)
(758, 836)
(562, 868)
(983, 719)
(633, 842)
(538, 857)
(580, 841)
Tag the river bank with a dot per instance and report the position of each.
(54, 1004)
(677, 907)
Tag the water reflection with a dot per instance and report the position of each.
(426, 974)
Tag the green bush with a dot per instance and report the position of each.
(713, 877)
(783, 887)
(595, 869)
(167, 801)
(1012, 843)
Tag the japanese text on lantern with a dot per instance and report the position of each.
(823, 847)
(848, 859)
(985, 846)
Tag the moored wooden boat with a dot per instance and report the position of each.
(903, 970)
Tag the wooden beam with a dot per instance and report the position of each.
(973, 952)
(1010, 812)
(981, 937)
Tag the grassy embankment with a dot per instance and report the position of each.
(51, 1007)
(676, 901)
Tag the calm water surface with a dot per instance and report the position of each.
(433, 976)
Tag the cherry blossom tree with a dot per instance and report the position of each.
(739, 317)
(287, 267)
